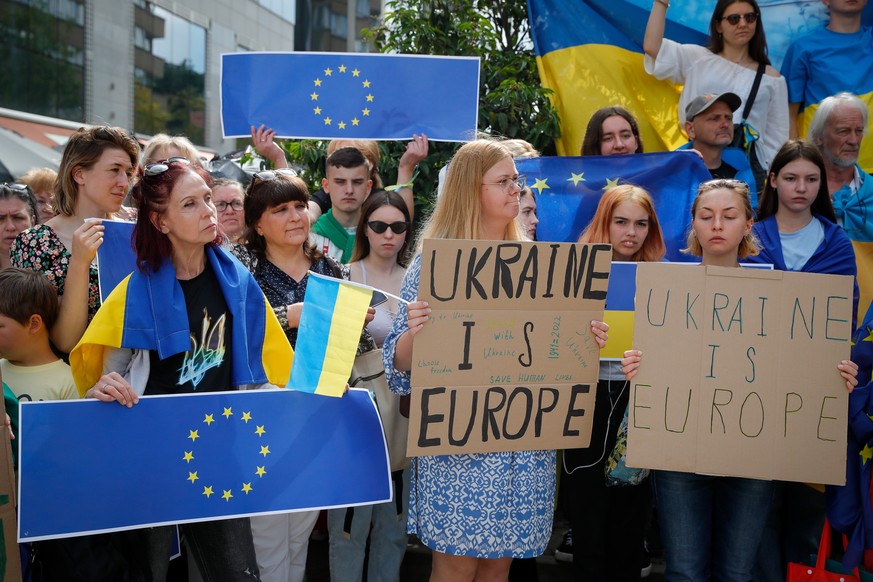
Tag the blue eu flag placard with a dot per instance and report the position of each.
(352, 96)
(89, 466)
(568, 190)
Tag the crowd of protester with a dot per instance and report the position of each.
(796, 204)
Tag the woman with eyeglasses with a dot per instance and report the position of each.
(798, 232)
(190, 299)
(711, 526)
(278, 253)
(93, 180)
(475, 511)
(228, 197)
(378, 260)
(17, 213)
(737, 48)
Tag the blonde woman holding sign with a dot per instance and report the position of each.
(475, 511)
(714, 524)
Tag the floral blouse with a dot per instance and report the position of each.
(282, 290)
(39, 249)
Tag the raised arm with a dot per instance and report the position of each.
(416, 152)
(655, 28)
(264, 144)
(793, 114)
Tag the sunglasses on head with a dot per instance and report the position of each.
(737, 185)
(158, 168)
(379, 227)
(15, 186)
(734, 19)
(268, 175)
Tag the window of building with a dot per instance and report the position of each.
(169, 74)
(43, 57)
(283, 8)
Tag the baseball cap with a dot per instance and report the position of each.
(700, 104)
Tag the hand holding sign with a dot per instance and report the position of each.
(510, 354)
(756, 394)
(419, 314)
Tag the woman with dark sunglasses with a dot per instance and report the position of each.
(278, 253)
(737, 47)
(93, 180)
(378, 260)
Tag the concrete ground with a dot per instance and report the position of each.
(416, 564)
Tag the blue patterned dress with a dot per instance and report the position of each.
(483, 505)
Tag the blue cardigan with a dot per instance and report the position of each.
(834, 256)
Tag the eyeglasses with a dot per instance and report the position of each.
(506, 183)
(734, 19)
(15, 186)
(737, 185)
(268, 175)
(158, 168)
(236, 205)
(379, 227)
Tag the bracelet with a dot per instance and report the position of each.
(666, 3)
(398, 187)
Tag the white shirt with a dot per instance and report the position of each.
(702, 72)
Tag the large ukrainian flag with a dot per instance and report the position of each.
(590, 53)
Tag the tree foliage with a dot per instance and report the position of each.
(512, 102)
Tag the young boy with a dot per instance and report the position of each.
(348, 184)
(28, 309)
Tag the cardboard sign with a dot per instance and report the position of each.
(508, 361)
(619, 313)
(739, 373)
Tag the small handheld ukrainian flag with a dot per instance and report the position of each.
(330, 330)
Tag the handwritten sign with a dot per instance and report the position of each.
(508, 362)
(739, 373)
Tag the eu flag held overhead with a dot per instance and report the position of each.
(88, 466)
(348, 95)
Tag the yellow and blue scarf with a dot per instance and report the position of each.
(147, 311)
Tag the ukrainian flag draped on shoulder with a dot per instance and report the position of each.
(589, 52)
(850, 507)
(147, 311)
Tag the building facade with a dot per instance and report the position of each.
(155, 66)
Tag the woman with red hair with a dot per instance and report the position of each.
(194, 320)
(609, 522)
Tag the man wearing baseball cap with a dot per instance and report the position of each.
(710, 127)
